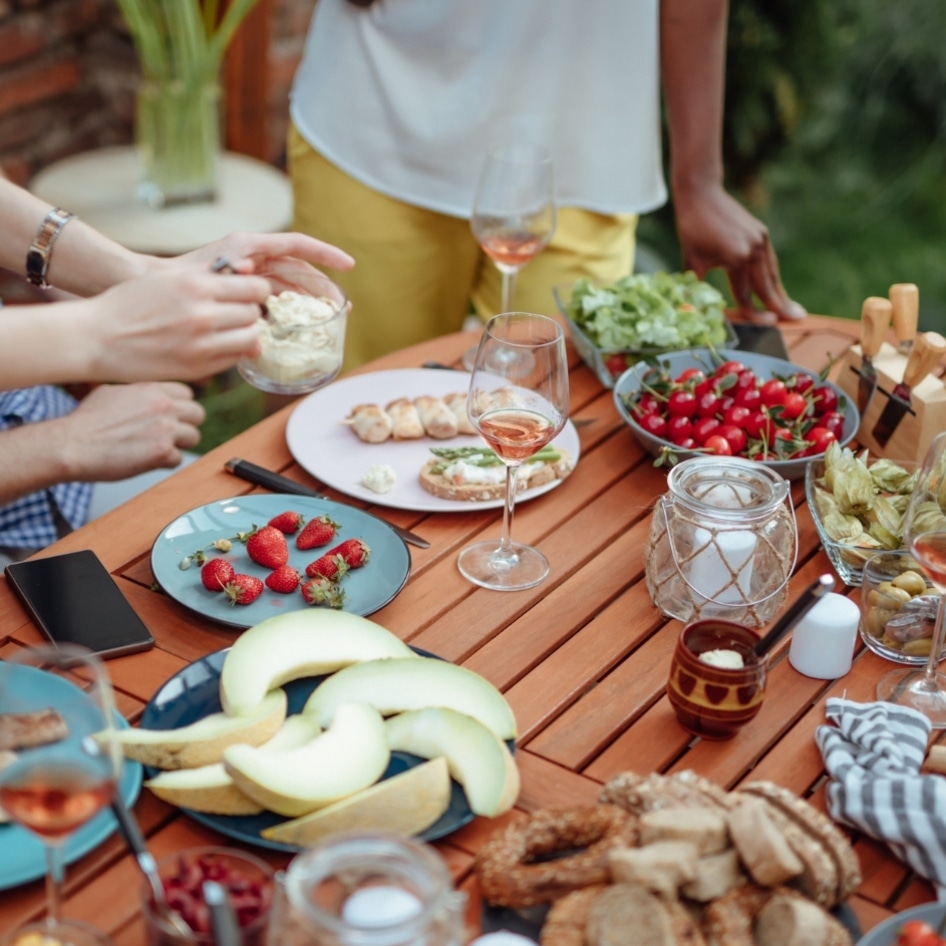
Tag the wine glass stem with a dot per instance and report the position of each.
(512, 481)
(936, 647)
(55, 874)
(509, 286)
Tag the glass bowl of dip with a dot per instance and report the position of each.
(302, 331)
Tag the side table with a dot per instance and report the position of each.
(100, 187)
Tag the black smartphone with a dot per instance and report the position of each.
(762, 339)
(73, 599)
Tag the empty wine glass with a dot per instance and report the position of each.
(924, 534)
(63, 766)
(513, 213)
(518, 402)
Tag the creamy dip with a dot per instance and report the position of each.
(723, 658)
(300, 338)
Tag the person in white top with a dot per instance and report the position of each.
(396, 102)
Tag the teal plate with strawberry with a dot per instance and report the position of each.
(191, 536)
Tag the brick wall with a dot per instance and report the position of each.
(68, 72)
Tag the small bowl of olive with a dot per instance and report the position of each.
(898, 608)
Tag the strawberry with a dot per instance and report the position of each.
(355, 552)
(283, 580)
(320, 590)
(267, 547)
(243, 589)
(216, 573)
(329, 566)
(288, 522)
(317, 532)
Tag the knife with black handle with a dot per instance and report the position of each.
(278, 483)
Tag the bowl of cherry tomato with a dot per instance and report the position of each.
(914, 927)
(734, 403)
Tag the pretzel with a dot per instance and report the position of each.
(510, 875)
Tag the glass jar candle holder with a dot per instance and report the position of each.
(723, 542)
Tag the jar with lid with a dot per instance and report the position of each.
(370, 889)
(723, 542)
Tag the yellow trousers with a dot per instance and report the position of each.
(417, 272)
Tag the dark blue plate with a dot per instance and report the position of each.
(194, 693)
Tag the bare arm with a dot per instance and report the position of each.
(714, 229)
(115, 432)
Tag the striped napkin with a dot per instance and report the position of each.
(873, 753)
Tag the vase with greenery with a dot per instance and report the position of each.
(180, 46)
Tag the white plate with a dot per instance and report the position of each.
(330, 451)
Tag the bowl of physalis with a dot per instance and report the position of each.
(615, 325)
(857, 503)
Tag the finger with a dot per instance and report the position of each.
(187, 436)
(768, 286)
(300, 245)
(741, 286)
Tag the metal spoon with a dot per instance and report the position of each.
(224, 921)
(133, 838)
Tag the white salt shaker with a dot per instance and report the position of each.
(823, 640)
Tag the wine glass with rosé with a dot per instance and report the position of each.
(59, 763)
(518, 402)
(924, 534)
(513, 213)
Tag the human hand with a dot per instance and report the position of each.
(119, 431)
(184, 323)
(715, 230)
(249, 252)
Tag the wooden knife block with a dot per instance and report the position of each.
(913, 434)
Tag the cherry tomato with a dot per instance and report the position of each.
(834, 422)
(730, 367)
(773, 392)
(917, 933)
(648, 404)
(703, 428)
(750, 397)
(679, 429)
(759, 426)
(736, 436)
(707, 404)
(824, 399)
(681, 404)
(690, 374)
(819, 438)
(802, 383)
(736, 415)
(705, 386)
(655, 424)
(615, 364)
(794, 406)
(726, 401)
(746, 380)
(719, 445)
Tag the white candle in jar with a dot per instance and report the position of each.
(823, 640)
(722, 570)
(380, 907)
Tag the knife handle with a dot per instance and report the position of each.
(905, 299)
(928, 348)
(875, 320)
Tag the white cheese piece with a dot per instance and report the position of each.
(726, 659)
(380, 478)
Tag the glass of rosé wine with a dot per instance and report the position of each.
(518, 403)
(58, 765)
(513, 213)
(924, 534)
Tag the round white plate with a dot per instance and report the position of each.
(330, 451)
(366, 589)
(22, 853)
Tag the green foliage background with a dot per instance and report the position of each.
(835, 136)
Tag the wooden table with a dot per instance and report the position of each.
(582, 658)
